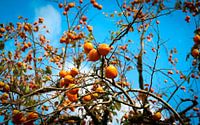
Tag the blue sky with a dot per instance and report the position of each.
(172, 28)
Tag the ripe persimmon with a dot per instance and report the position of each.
(87, 98)
(93, 55)
(95, 4)
(16, 116)
(92, 1)
(72, 108)
(4, 101)
(126, 116)
(74, 71)
(4, 96)
(68, 79)
(23, 119)
(78, 27)
(74, 90)
(72, 97)
(2, 30)
(14, 112)
(157, 116)
(2, 84)
(111, 72)
(26, 27)
(41, 20)
(70, 5)
(32, 115)
(195, 109)
(195, 53)
(62, 83)
(42, 38)
(66, 9)
(46, 108)
(7, 28)
(6, 88)
(66, 102)
(60, 5)
(19, 64)
(62, 73)
(87, 47)
(70, 35)
(99, 89)
(95, 95)
(19, 26)
(26, 45)
(90, 28)
(196, 39)
(62, 40)
(29, 44)
(84, 18)
(103, 49)
(99, 7)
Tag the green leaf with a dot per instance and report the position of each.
(1, 68)
(188, 80)
(20, 17)
(15, 72)
(90, 36)
(112, 15)
(118, 32)
(112, 37)
(192, 90)
(117, 120)
(48, 70)
(29, 102)
(120, 14)
(188, 56)
(2, 45)
(178, 5)
(117, 106)
(114, 113)
(24, 70)
(27, 89)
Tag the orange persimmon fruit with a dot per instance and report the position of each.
(70, 5)
(73, 90)
(111, 72)
(62, 73)
(68, 79)
(2, 84)
(60, 5)
(87, 47)
(74, 71)
(103, 49)
(93, 55)
(72, 97)
(196, 39)
(157, 116)
(87, 98)
(195, 53)
(32, 115)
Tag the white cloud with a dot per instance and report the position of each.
(52, 19)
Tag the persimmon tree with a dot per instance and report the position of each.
(37, 85)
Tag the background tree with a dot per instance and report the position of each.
(85, 80)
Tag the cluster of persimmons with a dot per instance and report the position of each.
(195, 52)
(68, 77)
